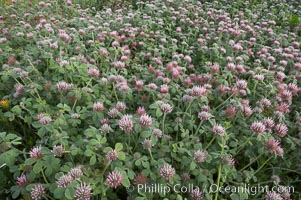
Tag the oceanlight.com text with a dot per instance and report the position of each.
(214, 188)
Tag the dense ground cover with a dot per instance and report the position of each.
(173, 95)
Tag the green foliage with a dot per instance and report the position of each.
(294, 20)
(105, 96)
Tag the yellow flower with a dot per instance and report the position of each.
(4, 103)
(8, 2)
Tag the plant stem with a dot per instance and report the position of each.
(71, 159)
(106, 167)
(35, 89)
(3, 165)
(186, 111)
(209, 144)
(44, 177)
(150, 153)
(220, 169)
(285, 169)
(129, 139)
(218, 180)
(255, 86)
(61, 97)
(245, 167)
(48, 197)
(35, 69)
(164, 115)
(115, 92)
(88, 83)
(262, 165)
(224, 102)
(197, 130)
(74, 104)
(242, 145)
(103, 194)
